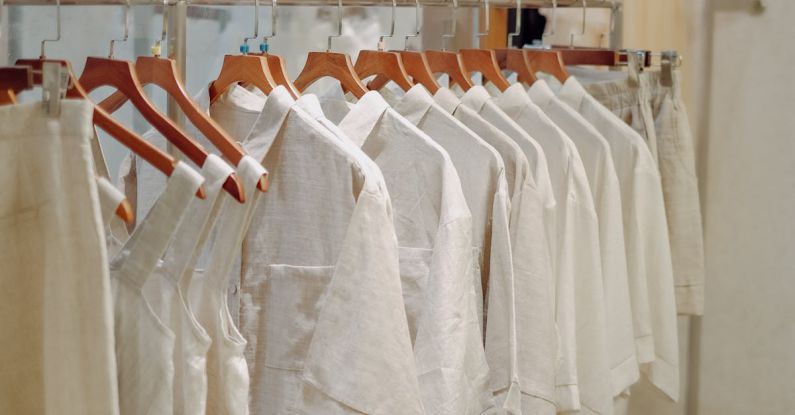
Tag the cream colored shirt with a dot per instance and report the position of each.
(434, 229)
(321, 298)
(596, 352)
(482, 174)
(531, 198)
(645, 230)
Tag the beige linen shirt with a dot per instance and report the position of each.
(321, 299)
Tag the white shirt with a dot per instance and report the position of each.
(482, 175)
(434, 229)
(598, 161)
(321, 298)
(532, 263)
(645, 230)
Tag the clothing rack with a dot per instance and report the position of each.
(178, 16)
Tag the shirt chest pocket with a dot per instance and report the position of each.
(294, 296)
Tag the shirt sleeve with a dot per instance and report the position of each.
(361, 354)
(663, 372)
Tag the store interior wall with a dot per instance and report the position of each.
(739, 90)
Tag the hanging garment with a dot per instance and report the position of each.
(168, 289)
(434, 230)
(320, 294)
(144, 344)
(658, 114)
(531, 200)
(55, 283)
(594, 362)
(227, 369)
(645, 228)
(607, 203)
(576, 227)
(482, 175)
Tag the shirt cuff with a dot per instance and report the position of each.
(690, 300)
(567, 398)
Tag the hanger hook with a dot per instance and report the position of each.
(553, 27)
(244, 46)
(582, 31)
(451, 35)
(486, 25)
(381, 44)
(126, 29)
(156, 48)
(263, 47)
(339, 25)
(418, 25)
(518, 25)
(57, 27)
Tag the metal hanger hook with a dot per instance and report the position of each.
(339, 25)
(381, 44)
(451, 35)
(156, 48)
(126, 29)
(518, 23)
(486, 28)
(418, 25)
(552, 27)
(57, 28)
(244, 46)
(582, 31)
(263, 47)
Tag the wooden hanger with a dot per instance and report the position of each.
(451, 64)
(485, 62)
(19, 78)
(549, 61)
(516, 60)
(163, 73)
(248, 69)
(275, 62)
(14, 79)
(386, 64)
(331, 64)
(121, 75)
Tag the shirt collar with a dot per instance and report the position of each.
(311, 104)
(363, 117)
(514, 96)
(541, 93)
(447, 100)
(269, 123)
(573, 92)
(476, 97)
(415, 104)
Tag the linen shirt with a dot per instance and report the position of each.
(482, 174)
(530, 192)
(594, 151)
(321, 303)
(645, 230)
(434, 230)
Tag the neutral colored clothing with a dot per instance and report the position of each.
(55, 283)
(144, 344)
(109, 199)
(645, 229)
(168, 290)
(594, 355)
(576, 231)
(320, 293)
(658, 114)
(531, 200)
(482, 174)
(434, 231)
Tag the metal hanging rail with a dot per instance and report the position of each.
(385, 3)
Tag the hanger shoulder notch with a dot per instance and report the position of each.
(485, 62)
